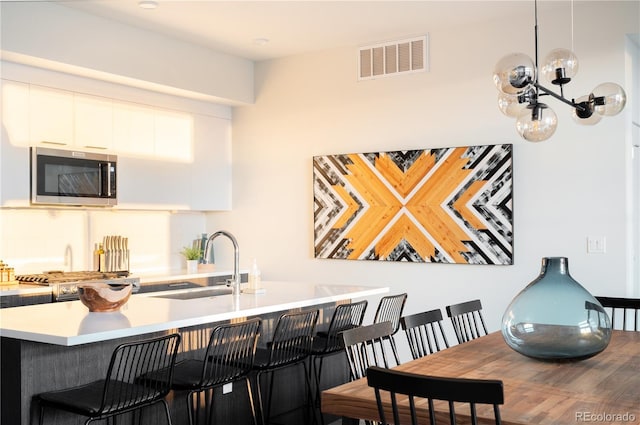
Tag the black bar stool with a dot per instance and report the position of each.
(121, 391)
(290, 346)
(345, 316)
(228, 358)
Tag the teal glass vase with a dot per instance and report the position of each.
(555, 318)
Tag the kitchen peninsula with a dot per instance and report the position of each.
(52, 346)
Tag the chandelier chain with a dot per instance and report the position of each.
(572, 23)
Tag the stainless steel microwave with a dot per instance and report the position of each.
(69, 177)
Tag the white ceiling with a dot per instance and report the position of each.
(296, 27)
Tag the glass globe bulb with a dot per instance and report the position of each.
(510, 105)
(514, 74)
(587, 102)
(537, 123)
(560, 66)
(609, 99)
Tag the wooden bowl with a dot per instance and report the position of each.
(104, 297)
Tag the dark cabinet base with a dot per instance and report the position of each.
(22, 300)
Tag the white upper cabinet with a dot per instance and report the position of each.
(14, 145)
(211, 178)
(174, 137)
(133, 129)
(58, 117)
(93, 122)
(149, 184)
(197, 177)
(15, 112)
(50, 115)
(167, 159)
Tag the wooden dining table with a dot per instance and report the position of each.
(603, 389)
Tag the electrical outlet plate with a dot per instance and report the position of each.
(596, 244)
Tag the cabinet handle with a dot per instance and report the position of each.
(174, 285)
(95, 147)
(54, 143)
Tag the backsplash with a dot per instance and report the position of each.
(37, 240)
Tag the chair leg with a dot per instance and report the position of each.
(137, 416)
(166, 410)
(190, 407)
(260, 401)
(317, 374)
(41, 413)
(199, 406)
(265, 408)
(314, 374)
(251, 403)
(318, 378)
(270, 397)
(392, 341)
(209, 416)
(309, 392)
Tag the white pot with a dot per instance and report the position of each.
(192, 266)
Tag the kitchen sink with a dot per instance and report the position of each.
(190, 294)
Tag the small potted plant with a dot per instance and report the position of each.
(192, 255)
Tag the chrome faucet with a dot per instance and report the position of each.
(235, 281)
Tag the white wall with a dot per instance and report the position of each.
(35, 240)
(565, 189)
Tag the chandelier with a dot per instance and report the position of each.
(516, 77)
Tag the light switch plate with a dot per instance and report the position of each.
(227, 388)
(596, 244)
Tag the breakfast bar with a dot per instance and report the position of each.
(53, 346)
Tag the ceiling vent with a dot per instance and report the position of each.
(393, 58)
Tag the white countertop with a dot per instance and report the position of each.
(70, 323)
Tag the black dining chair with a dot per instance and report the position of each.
(328, 343)
(390, 310)
(228, 358)
(414, 387)
(622, 311)
(121, 391)
(364, 347)
(424, 332)
(467, 320)
(290, 346)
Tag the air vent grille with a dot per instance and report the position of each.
(393, 58)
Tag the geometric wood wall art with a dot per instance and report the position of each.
(449, 205)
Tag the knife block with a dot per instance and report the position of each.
(116, 260)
